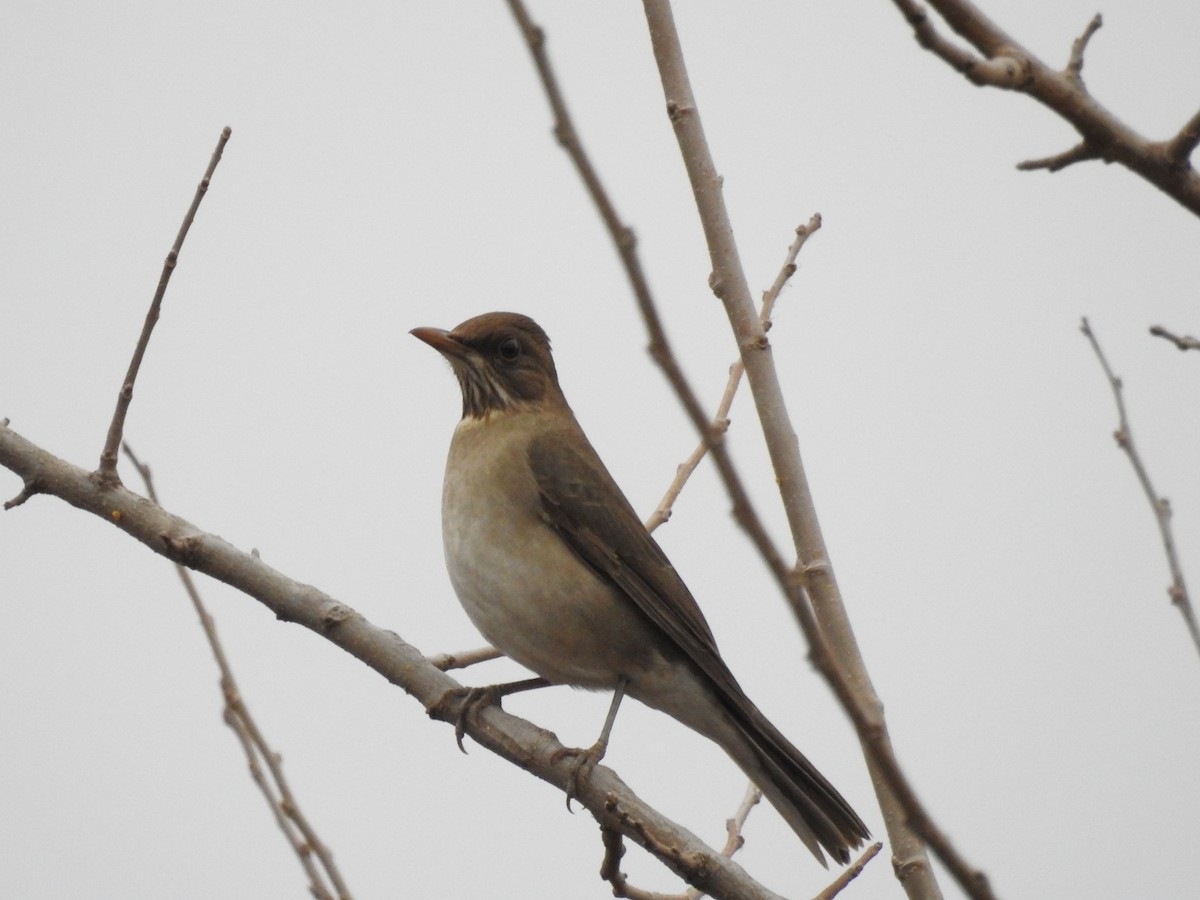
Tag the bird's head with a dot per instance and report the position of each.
(502, 361)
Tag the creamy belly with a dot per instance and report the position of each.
(519, 582)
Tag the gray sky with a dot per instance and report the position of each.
(391, 166)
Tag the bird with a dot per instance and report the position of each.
(553, 566)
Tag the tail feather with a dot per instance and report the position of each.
(812, 806)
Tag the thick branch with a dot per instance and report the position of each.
(609, 800)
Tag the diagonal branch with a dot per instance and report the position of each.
(1161, 506)
(520, 742)
(108, 456)
(1000, 61)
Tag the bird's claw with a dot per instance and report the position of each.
(582, 769)
(467, 700)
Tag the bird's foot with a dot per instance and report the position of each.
(458, 704)
(582, 767)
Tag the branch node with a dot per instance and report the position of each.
(336, 615)
(1007, 68)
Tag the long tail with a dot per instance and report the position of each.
(812, 806)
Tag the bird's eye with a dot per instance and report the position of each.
(510, 349)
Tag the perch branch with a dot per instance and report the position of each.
(520, 742)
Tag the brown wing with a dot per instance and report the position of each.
(583, 504)
(581, 501)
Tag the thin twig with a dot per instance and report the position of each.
(720, 420)
(108, 456)
(853, 871)
(1161, 506)
(465, 658)
(1075, 63)
(295, 826)
(1182, 341)
(1081, 152)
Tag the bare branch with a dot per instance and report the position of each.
(1005, 63)
(108, 456)
(537, 751)
(1183, 342)
(1160, 505)
(278, 793)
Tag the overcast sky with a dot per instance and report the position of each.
(392, 165)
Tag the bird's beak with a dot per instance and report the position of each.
(443, 342)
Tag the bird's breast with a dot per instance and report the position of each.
(519, 582)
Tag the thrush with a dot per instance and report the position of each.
(556, 570)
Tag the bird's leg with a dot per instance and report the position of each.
(589, 757)
(469, 699)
